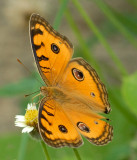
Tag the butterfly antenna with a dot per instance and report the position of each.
(30, 72)
(26, 95)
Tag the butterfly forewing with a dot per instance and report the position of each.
(52, 51)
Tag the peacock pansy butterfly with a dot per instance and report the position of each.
(73, 94)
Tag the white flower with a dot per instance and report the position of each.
(31, 106)
(29, 121)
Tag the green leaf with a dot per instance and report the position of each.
(22, 86)
(129, 91)
(10, 144)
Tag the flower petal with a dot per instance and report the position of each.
(20, 124)
(28, 106)
(34, 106)
(20, 118)
(27, 129)
(31, 106)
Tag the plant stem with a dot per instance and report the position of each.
(76, 153)
(45, 150)
(23, 146)
(93, 27)
(59, 14)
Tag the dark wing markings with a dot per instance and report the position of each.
(36, 31)
(42, 116)
(44, 67)
(48, 113)
(42, 58)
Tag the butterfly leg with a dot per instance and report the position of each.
(35, 97)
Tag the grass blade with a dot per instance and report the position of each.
(103, 41)
(133, 3)
(109, 14)
(129, 21)
(76, 153)
(45, 150)
(88, 55)
(59, 14)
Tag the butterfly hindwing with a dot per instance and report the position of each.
(92, 126)
(55, 127)
(82, 81)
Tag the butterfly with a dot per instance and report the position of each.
(73, 94)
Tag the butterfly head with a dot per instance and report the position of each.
(44, 90)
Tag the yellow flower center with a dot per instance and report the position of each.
(31, 117)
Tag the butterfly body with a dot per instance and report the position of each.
(54, 93)
(73, 95)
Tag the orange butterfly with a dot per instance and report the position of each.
(73, 93)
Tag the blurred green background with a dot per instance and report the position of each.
(102, 32)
